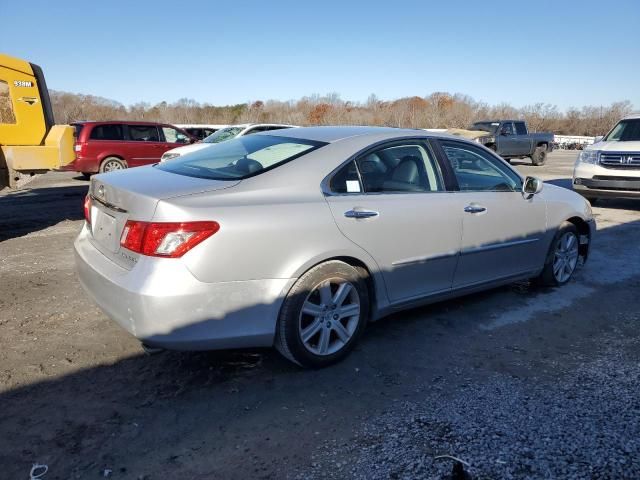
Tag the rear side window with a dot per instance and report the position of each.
(6, 108)
(399, 168)
(346, 180)
(106, 132)
(241, 157)
(144, 133)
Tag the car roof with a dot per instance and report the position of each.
(330, 134)
(633, 116)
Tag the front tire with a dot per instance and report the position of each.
(539, 156)
(563, 256)
(323, 315)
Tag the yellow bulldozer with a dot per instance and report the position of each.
(30, 142)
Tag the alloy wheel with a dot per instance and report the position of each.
(329, 316)
(566, 257)
(112, 165)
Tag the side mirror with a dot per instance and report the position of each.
(531, 186)
(598, 139)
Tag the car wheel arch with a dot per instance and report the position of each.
(373, 279)
(583, 229)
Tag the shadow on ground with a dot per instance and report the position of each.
(31, 210)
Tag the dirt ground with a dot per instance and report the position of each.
(78, 394)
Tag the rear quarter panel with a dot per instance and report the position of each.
(280, 238)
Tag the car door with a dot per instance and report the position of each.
(505, 139)
(144, 145)
(522, 139)
(503, 229)
(392, 203)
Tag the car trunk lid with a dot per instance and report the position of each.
(133, 194)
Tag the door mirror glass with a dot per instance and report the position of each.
(532, 185)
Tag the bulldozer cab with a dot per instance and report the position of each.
(30, 142)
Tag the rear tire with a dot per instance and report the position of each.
(111, 164)
(562, 258)
(323, 316)
(539, 156)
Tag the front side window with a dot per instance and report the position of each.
(241, 157)
(171, 135)
(506, 128)
(478, 171)
(398, 168)
(107, 132)
(521, 128)
(625, 131)
(144, 133)
(223, 135)
(6, 108)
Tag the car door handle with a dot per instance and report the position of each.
(360, 214)
(474, 209)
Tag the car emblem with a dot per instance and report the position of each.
(101, 191)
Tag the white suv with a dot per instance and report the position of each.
(611, 166)
(227, 133)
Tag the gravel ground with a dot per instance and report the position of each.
(518, 382)
(584, 424)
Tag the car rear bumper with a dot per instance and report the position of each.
(162, 304)
(82, 164)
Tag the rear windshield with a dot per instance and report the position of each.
(625, 131)
(240, 158)
(78, 130)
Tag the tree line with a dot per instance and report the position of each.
(438, 110)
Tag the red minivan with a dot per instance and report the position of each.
(107, 146)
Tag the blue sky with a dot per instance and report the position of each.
(566, 53)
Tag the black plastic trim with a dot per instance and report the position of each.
(47, 109)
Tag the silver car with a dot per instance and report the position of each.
(298, 238)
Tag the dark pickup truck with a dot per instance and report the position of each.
(511, 139)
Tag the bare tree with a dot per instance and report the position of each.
(437, 110)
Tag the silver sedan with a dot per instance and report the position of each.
(297, 238)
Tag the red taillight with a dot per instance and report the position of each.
(87, 209)
(170, 240)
